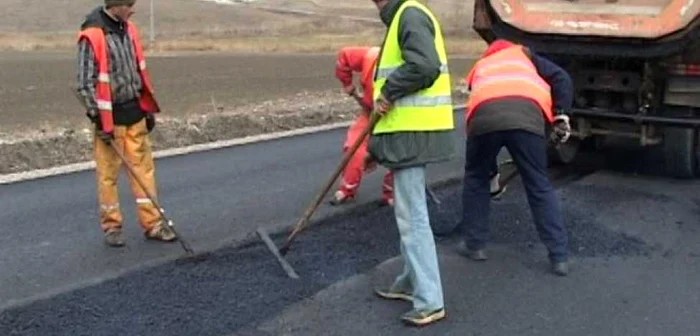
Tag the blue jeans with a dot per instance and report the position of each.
(529, 152)
(421, 273)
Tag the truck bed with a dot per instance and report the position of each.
(644, 19)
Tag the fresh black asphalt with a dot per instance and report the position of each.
(231, 290)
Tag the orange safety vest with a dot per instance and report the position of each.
(507, 73)
(103, 91)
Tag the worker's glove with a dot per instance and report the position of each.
(561, 128)
(150, 122)
(93, 115)
(104, 136)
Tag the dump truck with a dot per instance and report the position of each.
(635, 66)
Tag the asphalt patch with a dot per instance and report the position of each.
(234, 289)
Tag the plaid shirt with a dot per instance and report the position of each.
(124, 76)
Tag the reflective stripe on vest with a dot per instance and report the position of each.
(508, 73)
(429, 109)
(386, 71)
(103, 90)
(425, 101)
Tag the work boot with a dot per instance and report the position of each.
(385, 202)
(560, 268)
(340, 198)
(161, 232)
(393, 294)
(114, 238)
(419, 318)
(496, 190)
(476, 255)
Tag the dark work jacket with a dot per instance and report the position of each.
(511, 113)
(420, 70)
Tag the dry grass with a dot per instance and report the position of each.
(193, 25)
(461, 45)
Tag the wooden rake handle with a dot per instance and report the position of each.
(301, 224)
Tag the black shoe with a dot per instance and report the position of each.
(476, 255)
(114, 238)
(496, 194)
(340, 198)
(560, 268)
(386, 202)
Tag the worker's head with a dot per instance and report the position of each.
(121, 9)
(380, 3)
(496, 46)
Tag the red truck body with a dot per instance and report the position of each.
(635, 66)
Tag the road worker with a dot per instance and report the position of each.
(361, 60)
(515, 95)
(412, 92)
(115, 86)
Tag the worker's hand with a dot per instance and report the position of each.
(349, 90)
(561, 128)
(93, 115)
(150, 122)
(104, 136)
(382, 105)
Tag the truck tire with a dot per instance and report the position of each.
(680, 152)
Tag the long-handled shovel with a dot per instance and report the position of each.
(150, 196)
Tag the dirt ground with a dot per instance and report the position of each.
(220, 71)
(204, 97)
(257, 26)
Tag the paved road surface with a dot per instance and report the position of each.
(50, 229)
(636, 270)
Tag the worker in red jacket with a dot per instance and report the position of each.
(361, 60)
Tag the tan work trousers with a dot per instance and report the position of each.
(134, 143)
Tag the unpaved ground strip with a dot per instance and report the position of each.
(205, 98)
(69, 147)
(76, 167)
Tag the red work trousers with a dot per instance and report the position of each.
(352, 175)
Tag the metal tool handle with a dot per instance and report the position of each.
(132, 172)
(300, 225)
(130, 169)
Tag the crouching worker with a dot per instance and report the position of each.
(115, 86)
(360, 60)
(515, 94)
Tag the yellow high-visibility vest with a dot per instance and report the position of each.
(429, 109)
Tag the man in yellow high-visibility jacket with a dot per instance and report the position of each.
(412, 92)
